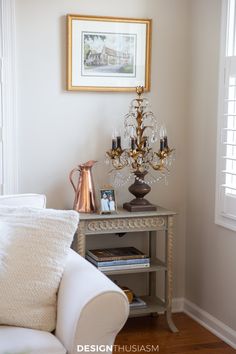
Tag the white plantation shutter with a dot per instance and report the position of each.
(226, 166)
(228, 140)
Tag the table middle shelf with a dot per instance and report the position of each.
(155, 265)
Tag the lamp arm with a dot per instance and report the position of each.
(156, 167)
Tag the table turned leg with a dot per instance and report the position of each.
(169, 275)
(80, 239)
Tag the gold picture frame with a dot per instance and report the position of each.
(108, 53)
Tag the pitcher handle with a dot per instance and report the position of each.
(76, 169)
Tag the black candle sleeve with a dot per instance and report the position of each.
(145, 141)
(165, 142)
(161, 144)
(113, 144)
(132, 144)
(118, 140)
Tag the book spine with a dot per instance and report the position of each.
(137, 302)
(115, 258)
(137, 306)
(105, 259)
(118, 262)
(123, 267)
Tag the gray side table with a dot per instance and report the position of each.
(151, 222)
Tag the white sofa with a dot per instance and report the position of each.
(91, 309)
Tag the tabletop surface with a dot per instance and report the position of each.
(122, 213)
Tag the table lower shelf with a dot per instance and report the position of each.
(154, 305)
(154, 266)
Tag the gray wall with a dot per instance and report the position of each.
(210, 249)
(59, 129)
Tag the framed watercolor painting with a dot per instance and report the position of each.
(108, 54)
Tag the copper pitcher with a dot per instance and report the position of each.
(84, 192)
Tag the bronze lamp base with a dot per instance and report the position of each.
(135, 207)
(139, 189)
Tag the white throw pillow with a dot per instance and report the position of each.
(34, 246)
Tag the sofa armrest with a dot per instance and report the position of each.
(91, 309)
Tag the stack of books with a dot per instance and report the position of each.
(107, 259)
(137, 303)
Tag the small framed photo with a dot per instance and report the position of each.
(107, 201)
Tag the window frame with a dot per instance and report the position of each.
(8, 116)
(222, 218)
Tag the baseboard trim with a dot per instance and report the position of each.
(211, 323)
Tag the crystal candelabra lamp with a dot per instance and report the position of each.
(141, 131)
